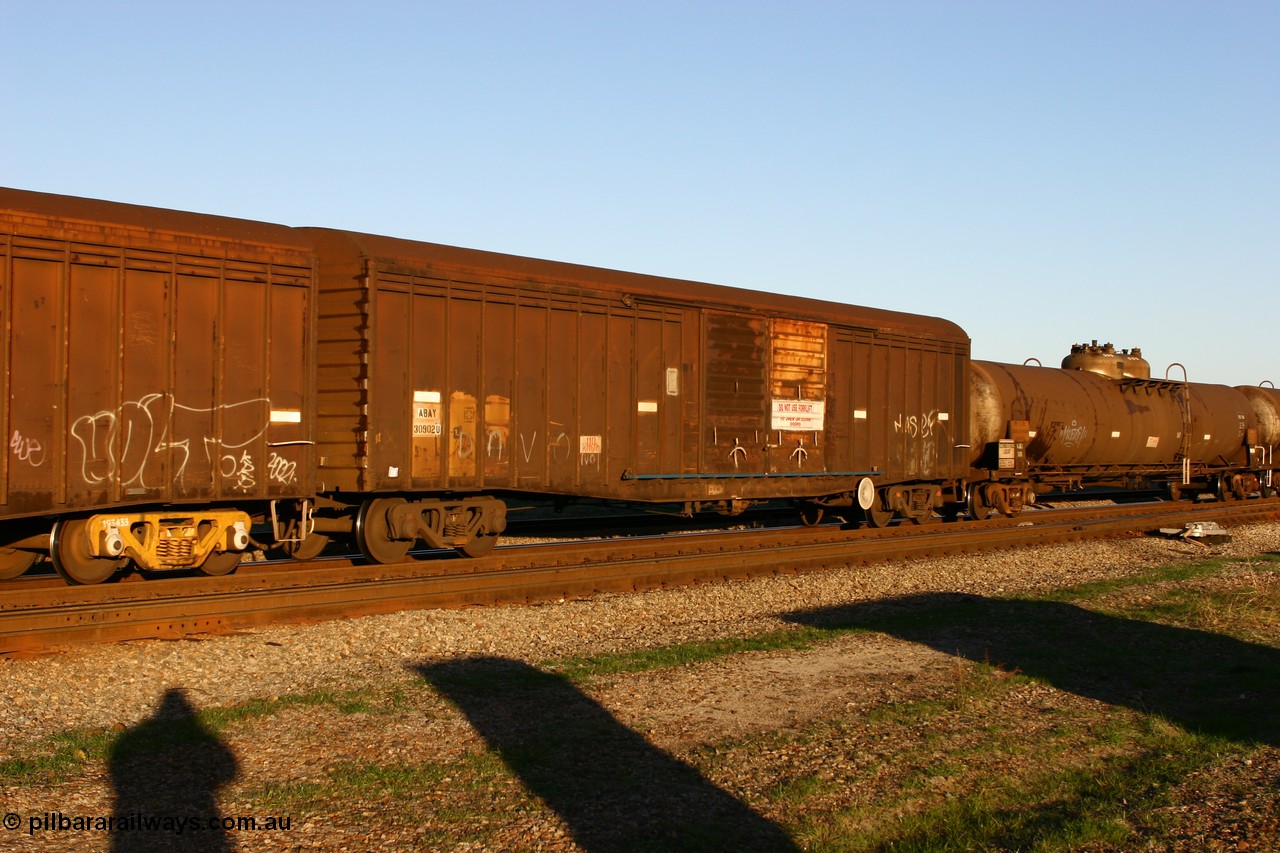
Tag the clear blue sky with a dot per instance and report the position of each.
(1042, 173)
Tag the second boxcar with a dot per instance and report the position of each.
(449, 379)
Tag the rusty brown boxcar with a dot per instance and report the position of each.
(449, 378)
(157, 383)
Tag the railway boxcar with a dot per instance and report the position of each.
(1101, 420)
(449, 378)
(157, 383)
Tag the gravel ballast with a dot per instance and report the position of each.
(120, 685)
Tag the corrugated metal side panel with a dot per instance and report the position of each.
(5, 376)
(798, 396)
(735, 351)
(152, 373)
(392, 353)
(593, 392)
(499, 371)
(33, 422)
(649, 434)
(477, 385)
(563, 393)
(425, 398)
(906, 409)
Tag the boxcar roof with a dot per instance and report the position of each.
(474, 265)
(154, 222)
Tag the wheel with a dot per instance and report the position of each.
(979, 509)
(309, 548)
(14, 562)
(1226, 488)
(373, 531)
(1175, 492)
(811, 514)
(70, 553)
(479, 545)
(878, 516)
(923, 518)
(220, 563)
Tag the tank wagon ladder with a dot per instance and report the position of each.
(1182, 394)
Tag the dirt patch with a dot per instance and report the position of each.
(750, 693)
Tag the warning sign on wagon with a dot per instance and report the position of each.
(799, 415)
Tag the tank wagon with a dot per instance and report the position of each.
(174, 380)
(1102, 420)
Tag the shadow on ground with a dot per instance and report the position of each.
(166, 772)
(615, 790)
(1202, 681)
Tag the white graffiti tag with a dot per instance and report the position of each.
(126, 446)
(1074, 435)
(239, 471)
(27, 450)
(281, 470)
(916, 426)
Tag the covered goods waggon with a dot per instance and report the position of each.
(450, 378)
(156, 369)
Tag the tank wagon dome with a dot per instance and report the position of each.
(477, 265)
(1106, 361)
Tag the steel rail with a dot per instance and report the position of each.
(40, 620)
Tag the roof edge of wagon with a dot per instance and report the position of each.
(96, 213)
(401, 252)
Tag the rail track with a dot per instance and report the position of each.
(39, 616)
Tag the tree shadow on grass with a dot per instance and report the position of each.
(615, 790)
(1205, 682)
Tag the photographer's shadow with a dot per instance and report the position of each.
(1202, 681)
(166, 772)
(616, 791)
